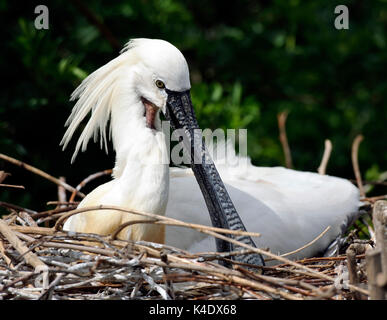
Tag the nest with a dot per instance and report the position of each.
(42, 262)
(47, 263)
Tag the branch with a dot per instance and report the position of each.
(355, 150)
(28, 256)
(87, 180)
(283, 138)
(324, 161)
(40, 173)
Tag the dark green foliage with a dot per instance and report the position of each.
(249, 60)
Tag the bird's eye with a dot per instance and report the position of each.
(160, 84)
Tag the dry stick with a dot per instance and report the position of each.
(226, 274)
(20, 279)
(23, 231)
(304, 246)
(317, 291)
(282, 116)
(276, 257)
(61, 192)
(4, 255)
(374, 268)
(159, 220)
(67, 203)
(29, 257)
(79, 247)
(208, 256)
(51, 217)
(324, 161)
(129, 223)
(40, 173)
(46, 293)
(351, 265)
(380, 224)
(205, 229)
(27, 218)
(355, 163)
(11, 186)
(3, 175)
(37, 215)
(285, 283)
(254, 294)
(374, 199)
(168, 283)
(316, 259)
(231, 275)
(15, 207)
(88, 179)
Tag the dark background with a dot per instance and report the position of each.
(249, 60)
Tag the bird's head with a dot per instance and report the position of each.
(160, 68)
(131, 90)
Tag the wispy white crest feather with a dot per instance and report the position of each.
(95, 95)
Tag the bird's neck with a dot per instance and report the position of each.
(141, 170)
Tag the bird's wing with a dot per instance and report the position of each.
(288, 207)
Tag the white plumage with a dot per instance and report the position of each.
(289, 208)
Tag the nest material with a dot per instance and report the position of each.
(45, 263)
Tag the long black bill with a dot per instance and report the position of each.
(180, 113)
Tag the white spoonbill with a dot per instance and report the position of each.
(289, 208)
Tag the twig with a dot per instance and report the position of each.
(88, 179)
(4, 255)
(276, 257)
(374, 268)
(351, 252)
(157, 219)
(40, 173)
(80, 247)
(27, 218)
(380, 224)
(155, 286)
(11, 186)
(46, 294)
(324, 161)
(374, 199)
(282, 116)
(355, 163)
(61, 192)
(168, 283)
(20, 279)
(37, 215)
(15, 207)
(29, 257)
(67, 203)
(3, 175)
(208, 256)
(129, 223)
(304, 246)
